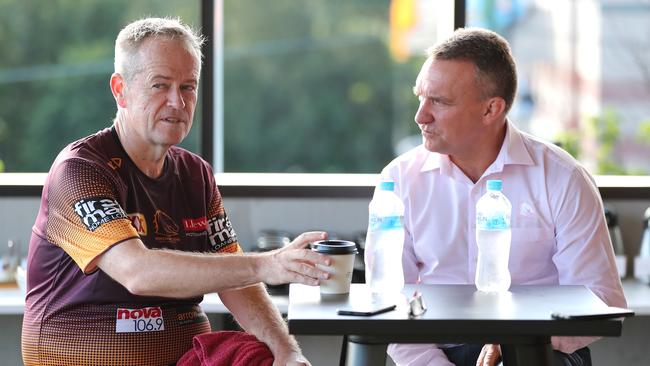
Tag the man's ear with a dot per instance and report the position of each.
(495, 108)
(118, 87)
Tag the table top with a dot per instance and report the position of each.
(455, 313)
(12, 300)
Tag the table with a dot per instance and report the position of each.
(520, 319)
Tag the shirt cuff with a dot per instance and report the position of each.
(417, 355)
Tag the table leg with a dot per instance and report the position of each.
(539, 353)
(362, 351)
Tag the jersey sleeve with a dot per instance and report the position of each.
(221, 234)
(84, 214)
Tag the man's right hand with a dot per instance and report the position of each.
(294, 263)
(489, 356)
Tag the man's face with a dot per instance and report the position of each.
(161, 96)
(450, 110)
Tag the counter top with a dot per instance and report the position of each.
(12, 300)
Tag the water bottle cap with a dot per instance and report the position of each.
(387, 185)
(494, 185)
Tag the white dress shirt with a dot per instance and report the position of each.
(559, 233)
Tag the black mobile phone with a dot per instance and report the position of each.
(606, 313)
(369, 310)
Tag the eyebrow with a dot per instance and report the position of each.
(419, 93)
(158, 76)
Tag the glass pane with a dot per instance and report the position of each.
(323, 85)
(56, 58)
(584, 75)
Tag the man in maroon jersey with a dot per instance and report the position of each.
(132, 231)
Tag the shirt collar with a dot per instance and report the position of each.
(432, 160)
(513, 151)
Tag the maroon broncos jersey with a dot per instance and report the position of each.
(94, 198)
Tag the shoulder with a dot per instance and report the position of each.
(549, 154)
(97, 146)
(559, 167)
(92, 153)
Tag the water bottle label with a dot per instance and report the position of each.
(496, 222)
(385, 222)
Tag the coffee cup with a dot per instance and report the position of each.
(342, 254)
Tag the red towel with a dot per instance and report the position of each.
(227, 348)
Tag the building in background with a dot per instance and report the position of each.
(584, 68)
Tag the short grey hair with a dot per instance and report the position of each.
(132, 36)
(491, 55)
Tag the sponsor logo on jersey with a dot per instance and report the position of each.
(143, 313)
(96, 211)
(220, 232)
(115, 163)
(165, 227)
(139, 223)
(139, 320)
(190, 315)
(195, 227)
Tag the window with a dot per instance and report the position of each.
(320, 86)
(324, 86)
(55, 62)
(308, 85)
(584, 75)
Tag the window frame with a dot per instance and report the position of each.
(316, 185)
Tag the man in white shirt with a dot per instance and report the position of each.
(559, 234)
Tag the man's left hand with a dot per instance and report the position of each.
(490, 354)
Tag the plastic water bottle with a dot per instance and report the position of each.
(493, 239)
(384, 241)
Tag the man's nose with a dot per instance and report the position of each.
(175, 99)
(423, 114)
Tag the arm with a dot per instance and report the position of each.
(584, 254)
(254, 311)
(171, 273)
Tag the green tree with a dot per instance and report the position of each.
(310, 87)
(56, 58)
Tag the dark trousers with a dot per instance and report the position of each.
(467, 354)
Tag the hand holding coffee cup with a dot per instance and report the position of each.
(342, 254)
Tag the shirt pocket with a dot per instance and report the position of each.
(531, 254)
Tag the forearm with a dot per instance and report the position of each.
(177, 274)
(571, 344)
(255, 312)
(171, 273)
